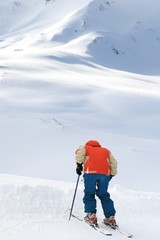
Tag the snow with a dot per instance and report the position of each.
(70, 73)
(39, 209)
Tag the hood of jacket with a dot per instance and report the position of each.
(93, 143)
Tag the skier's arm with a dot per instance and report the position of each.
(80, 155)
(80, 159)
(113, 165)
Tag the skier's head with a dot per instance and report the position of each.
(93, 143)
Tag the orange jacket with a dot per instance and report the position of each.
(97, 158)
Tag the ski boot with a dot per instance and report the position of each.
(91, 219)
(111, 222)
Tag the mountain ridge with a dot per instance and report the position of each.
(124, 40)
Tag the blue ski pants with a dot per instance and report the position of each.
(97, 184)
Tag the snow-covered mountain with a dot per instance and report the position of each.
(116, 34)
(121, 35)
(69, 73)
(50, 86)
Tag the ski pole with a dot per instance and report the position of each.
(74, 197)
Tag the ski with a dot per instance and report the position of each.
(118, 229)
(108, 229)
(128, 235)
(98, 229)
(95, 227)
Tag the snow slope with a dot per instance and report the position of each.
(39, 209)
(121, 39)
(86, 70)
(115, 38)
(51, 93)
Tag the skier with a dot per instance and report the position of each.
(98, 166)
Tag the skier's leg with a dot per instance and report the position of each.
(89, 193)
(104, 196)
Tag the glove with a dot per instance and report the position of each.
(79, 169)
(110, 177)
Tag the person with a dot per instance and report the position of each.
(99, 166)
